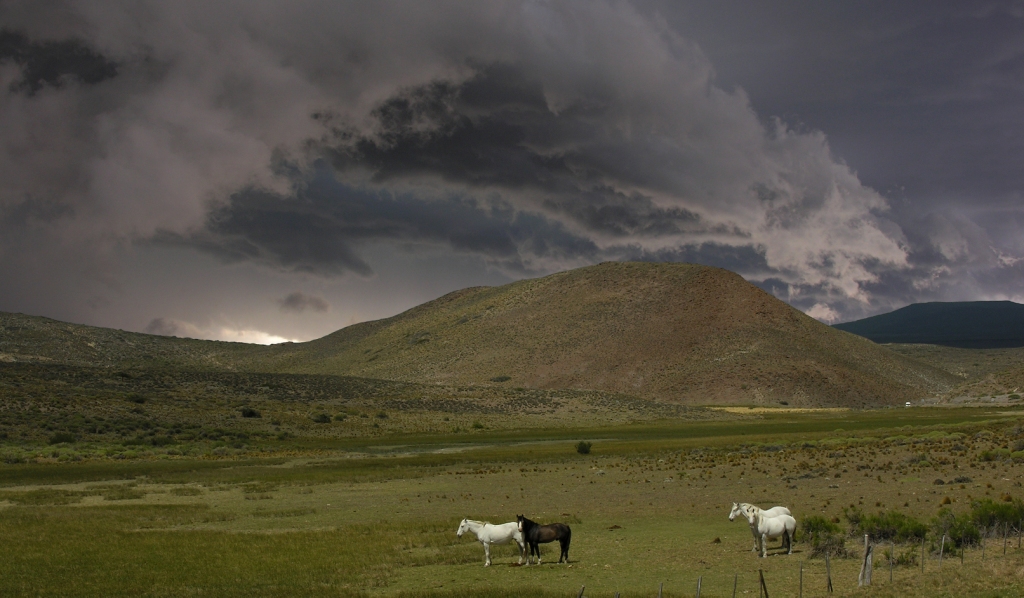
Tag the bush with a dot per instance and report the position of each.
(501, 378)
(907, 558)
(989, 514)
(250, 412)
(60, 437)
(322, 418)
(886, 525)
(340, 417)
(825, 536)
(382, 415)
(961, 531)
(583, 447)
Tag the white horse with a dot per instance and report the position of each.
(740, 509)
(488, 533)
(771, 527)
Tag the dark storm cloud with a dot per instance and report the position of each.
(533, 136)
(318, 229)
(51, 62)
(163, 327)
(923, 98)
(298, 302)
(496, 130)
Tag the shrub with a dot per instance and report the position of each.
(583, 447)
(907, 558)
(250, 412)
(60, 437)
(340, 417)
(987, 513)
(961, 531)
(322, 418)
(382, 415)
(478, 426)
(826, 537)
(886, 525)
(136, 398)
(501, 378)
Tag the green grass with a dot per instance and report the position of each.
(377, 516)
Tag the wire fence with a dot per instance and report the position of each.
(878, 566)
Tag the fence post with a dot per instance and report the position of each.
(580, 595)
(922, 555)
(828, 572)
(892, 557)
(660, 586)
(699, 578)
(735, 579)
(1019, 525)
(942, 548)
(801, 579)
(864, 579)
(984, 536)
(1004, 538)
(764, 588)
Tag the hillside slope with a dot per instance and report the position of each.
(35, 339)
(672, 332)
(969, 324)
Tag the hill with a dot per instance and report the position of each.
(676, 333)
(671, 332)
(34, 339)
(972, 324)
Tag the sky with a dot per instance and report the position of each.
(265, 171)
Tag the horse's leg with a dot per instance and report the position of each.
(522, 551)
(764, 545)
(487, 554)
(756, 537)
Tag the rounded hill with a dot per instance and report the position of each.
(671, 332)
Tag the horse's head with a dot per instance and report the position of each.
(463, 527)
(736, 510)
(519, 521)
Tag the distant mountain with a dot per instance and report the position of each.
(678, 333)
(969, 324)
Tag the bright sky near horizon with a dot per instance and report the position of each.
(266, 171)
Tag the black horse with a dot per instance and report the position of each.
(535, 534)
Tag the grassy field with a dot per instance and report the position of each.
(376, 515)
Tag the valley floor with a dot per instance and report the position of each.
(648, 506)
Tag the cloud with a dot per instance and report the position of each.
(820, 311)
(182, 329)
(52, 62)
(169, 327)
(298, 302)
(534, 136)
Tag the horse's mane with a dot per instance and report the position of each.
(527, 522)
